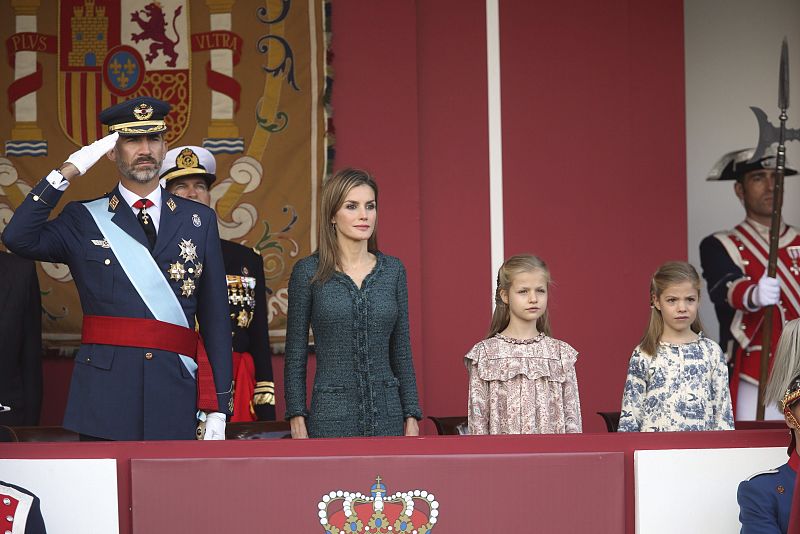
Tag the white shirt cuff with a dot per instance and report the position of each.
(57, 180)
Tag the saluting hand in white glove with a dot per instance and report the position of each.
(85, 157)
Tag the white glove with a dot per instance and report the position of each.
(84, 158)
(215, 426)
(767, 292)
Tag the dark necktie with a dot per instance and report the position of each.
(146, 221)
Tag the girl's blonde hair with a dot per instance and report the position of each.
(334, 193)
(786, 366)
(671, 273)
(521, 263)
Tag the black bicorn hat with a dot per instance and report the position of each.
(138, 116)
(734, 165)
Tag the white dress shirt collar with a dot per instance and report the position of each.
(155, 197)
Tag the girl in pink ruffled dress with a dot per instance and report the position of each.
(521, 380)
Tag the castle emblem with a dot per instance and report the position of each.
(409, 512)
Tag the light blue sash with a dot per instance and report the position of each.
(142, 271)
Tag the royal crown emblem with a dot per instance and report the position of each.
(410, 512)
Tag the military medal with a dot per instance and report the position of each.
(188, 250)
(187, 288)
(196, 220)
(176, 271)
(186, 273)
(243, 319)
(794, 253)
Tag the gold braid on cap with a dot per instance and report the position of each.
(186, 163)
(792, 395)
(141, 127)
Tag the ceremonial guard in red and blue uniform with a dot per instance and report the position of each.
(734, 265)
(148, 267)
(20, 511)
(189, 171)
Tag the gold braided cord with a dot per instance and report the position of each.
(135, 127)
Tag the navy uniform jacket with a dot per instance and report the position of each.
(719, 270)
(249, 325)
(765, 500)
(128, 393)
(21, 341)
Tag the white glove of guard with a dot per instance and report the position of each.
(85, 157)
(767, 292)
(215, 426)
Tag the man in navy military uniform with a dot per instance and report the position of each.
(189, 171)
(765, 499)
(148, 267)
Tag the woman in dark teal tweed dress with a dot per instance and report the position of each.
(355, 300)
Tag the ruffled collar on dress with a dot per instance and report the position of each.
(528, 341)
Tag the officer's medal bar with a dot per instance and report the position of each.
(241, 293)
(794, 253)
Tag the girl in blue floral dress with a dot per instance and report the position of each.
(677, 377)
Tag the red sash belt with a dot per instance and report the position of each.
(158, 335)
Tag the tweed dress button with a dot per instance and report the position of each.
(7, 501)
(148, 356)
